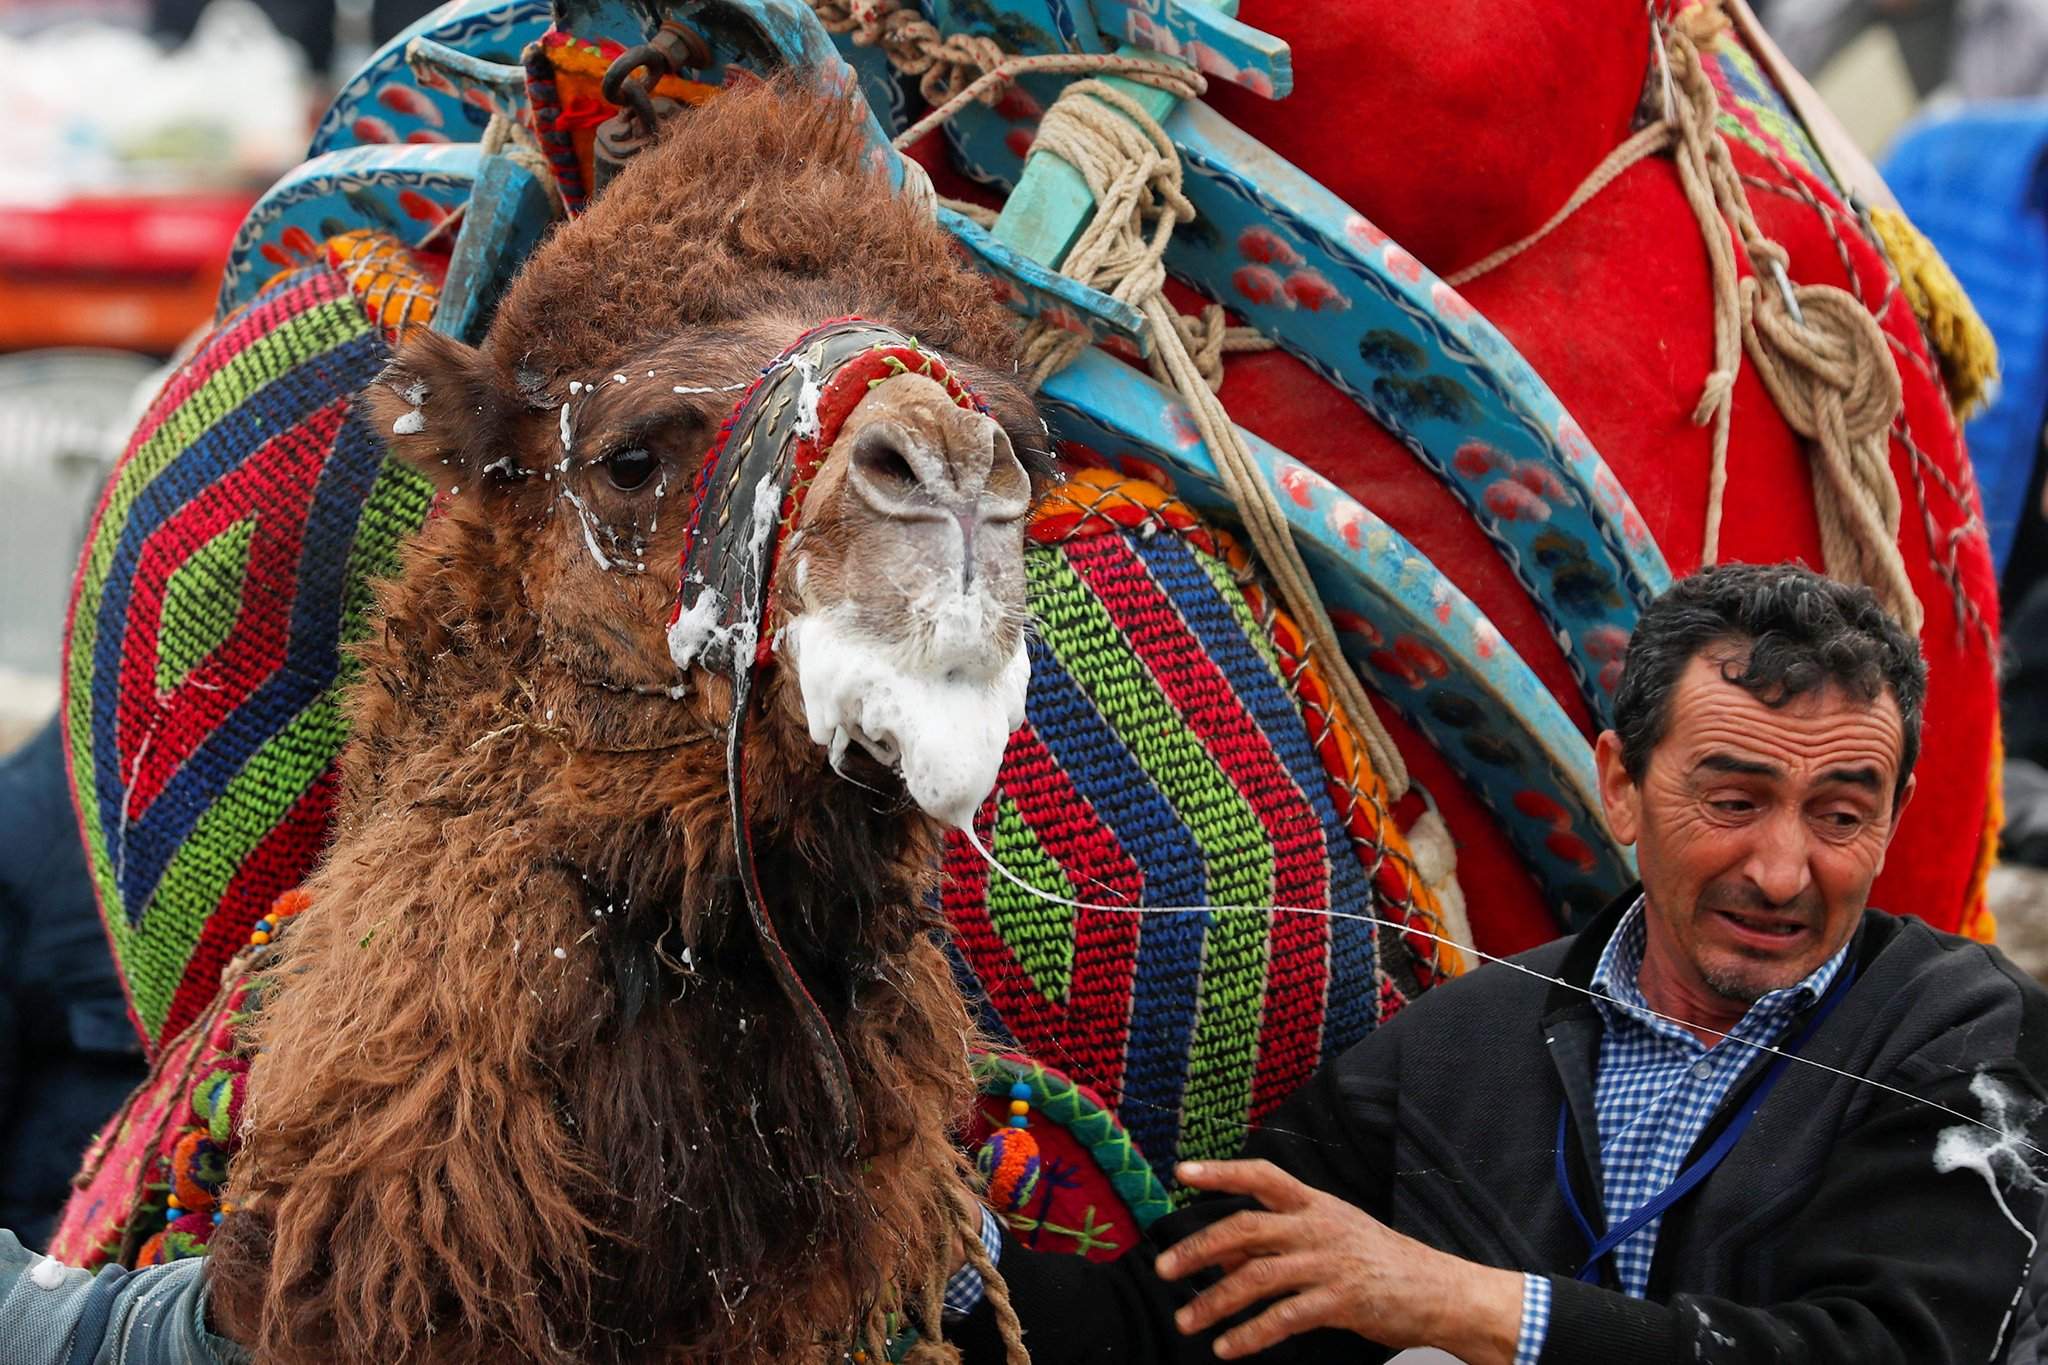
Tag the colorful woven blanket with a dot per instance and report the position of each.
(229, 562)
(1166, 763)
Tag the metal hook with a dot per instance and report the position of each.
(619, 138)
(620, 89)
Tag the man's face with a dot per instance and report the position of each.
(1758, 831)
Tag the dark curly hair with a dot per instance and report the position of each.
(1794, 630)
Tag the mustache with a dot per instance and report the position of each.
(1748, 899)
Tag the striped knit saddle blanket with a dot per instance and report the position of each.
(1181, 754)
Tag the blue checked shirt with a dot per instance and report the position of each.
(1657, 1087)
(964, 1287)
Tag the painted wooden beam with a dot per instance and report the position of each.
(1051, 205)
(508, 211)
(389, 100)
(1293, 260)
(405, 190)
(1034, 291)
(1205, 36)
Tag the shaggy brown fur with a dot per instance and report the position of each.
(526, 1090)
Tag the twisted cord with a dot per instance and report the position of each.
(1819, 352)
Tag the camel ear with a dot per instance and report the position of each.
(444, 408)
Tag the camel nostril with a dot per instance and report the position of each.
(881, 457)
(891, 467)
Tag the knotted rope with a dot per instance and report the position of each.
(1829, 371)
(1818, 351)
(931, 1347)
(1207, 334)
(1134, 174)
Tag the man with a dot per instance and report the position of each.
(1452, 1180)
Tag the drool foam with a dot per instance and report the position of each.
(943, 732)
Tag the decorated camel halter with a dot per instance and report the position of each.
(748, 497)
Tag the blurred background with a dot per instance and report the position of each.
(136, 134)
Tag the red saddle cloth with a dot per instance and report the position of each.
(1461, 127)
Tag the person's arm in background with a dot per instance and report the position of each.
(68, 1054)
(54, 1314)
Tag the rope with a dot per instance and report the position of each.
(1647, 142)
(1047, 349)
(509, 137)
(1131, 168)
(1819, 352)
(1817, 365)
(1209, 338)
(1134, 174)
(506, 137)
(1701, 158)
(931, 1347)
(993, 1285)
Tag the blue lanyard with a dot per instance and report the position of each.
(1702, 1167)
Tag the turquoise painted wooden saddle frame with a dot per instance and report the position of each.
(403, 146)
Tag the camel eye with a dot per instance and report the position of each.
(629, 469)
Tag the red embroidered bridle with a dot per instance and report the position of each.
(746, 501)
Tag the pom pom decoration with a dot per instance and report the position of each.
(1008, 1164)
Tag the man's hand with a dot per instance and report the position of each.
(1326, 1263)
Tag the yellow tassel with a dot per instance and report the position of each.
(1978, 921)
(1704, 22)
(1962, 343)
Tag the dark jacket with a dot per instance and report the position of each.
(68, 1053)
(1827, 1235)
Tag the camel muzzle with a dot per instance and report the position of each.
(749, 495)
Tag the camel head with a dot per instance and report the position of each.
(698, 313)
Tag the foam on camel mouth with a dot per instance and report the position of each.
(942, 729)
(939, 716)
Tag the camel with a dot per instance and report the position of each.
(528, 1085)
